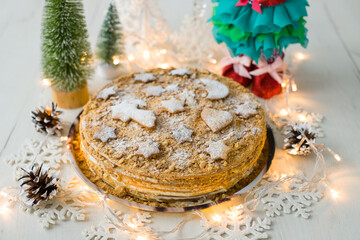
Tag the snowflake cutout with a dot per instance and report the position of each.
(52, 155)
(107, 231)
(106, 93)
(289, 197)
(235, 224)
(145, 77)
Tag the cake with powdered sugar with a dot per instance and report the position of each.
(177, 135)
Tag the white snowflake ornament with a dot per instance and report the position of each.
(148, 148)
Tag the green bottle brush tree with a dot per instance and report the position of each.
(66, 54)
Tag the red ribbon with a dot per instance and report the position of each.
(255, 5)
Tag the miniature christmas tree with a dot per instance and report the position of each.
(110, 43)
(65, 50)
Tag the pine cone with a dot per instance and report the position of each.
(37, 185)
(295, 143)
(47, 120)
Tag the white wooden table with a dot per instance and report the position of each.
(328, 82)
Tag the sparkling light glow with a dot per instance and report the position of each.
(337, 157)
(283, 84)
(146, 54)
(334, 194)
(46, 82)
(300, 56)
(213, 61)
(116, 60)
(293, 87)
(131, 57)
(216, 218)
(141, 238)
(163, 51)
(164, 65)
(302, 118)
(283, 112)
(64, 138)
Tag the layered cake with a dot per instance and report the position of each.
(177, 135)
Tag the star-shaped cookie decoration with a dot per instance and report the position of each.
(105, 133)
(145, 77)
(148, 148)
(173, 105)
(217, 150)
(246, 110)
(216, 119)
(182, 134)
(180, 72)
(154, 90)
(106, 93)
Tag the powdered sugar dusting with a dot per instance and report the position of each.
(181, 158)
(188, 97)
(182, 134)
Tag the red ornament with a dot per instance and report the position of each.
(265, 86)
(269, 3)
(228, 71)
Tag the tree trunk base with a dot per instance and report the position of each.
(70, 100)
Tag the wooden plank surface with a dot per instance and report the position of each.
(329, 83)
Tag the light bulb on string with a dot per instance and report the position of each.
(146, 55)
(46, 82)
(216, 218)
(131, 58)
(116, 60)
(334, 194)
(284, 112)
